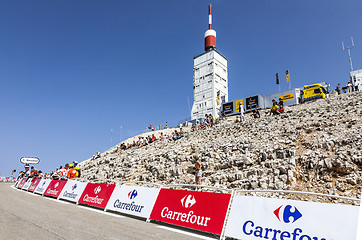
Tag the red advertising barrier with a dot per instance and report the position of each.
(34, 184)
(21, 183)
(204, 211)
(97, 194)
(55, 187)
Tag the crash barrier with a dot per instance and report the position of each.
(224, 212)
(7, 179)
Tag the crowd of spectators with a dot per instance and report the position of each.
(69, 171)
(146, 140)
(31, 173)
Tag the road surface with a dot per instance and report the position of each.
(26, 215)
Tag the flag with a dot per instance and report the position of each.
(277, 76)
(287, 74)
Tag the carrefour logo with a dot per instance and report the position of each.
(97, 190)
(74, 187)
(287, 214)
(188, 201)
(132, 194)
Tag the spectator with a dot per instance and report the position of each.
(182, 132)
(153, 139)
(241, 109)
(338, 89)
(193, 128)
(78, 170)
(72, 173)
(256, 113)
(222, 114)
(281, 106)
(63, 172)
(274, 108)
(198, 172)
(349, 87)
(237, 119)
(356, 85)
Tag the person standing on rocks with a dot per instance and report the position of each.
(349, 87)
(338, 89)
(198, 172)
(241, 110)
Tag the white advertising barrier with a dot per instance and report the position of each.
(42, 186)
(359, 227)
(27, 184)
(72, 190)
(254, 218)
(133, 200)
(17, 182)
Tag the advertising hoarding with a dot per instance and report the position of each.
(42, 186)
(204, 211)
(252, 103)
(228, 108)
(72, 190)
(21, 183)
(54, 188)
(133, 200)
(255, 218)
(97, 194)
(27, 184)
(34, 184)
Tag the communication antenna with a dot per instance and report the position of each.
(349, 52)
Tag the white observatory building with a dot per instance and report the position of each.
(210, 78)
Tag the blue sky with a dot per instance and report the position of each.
(70, 71)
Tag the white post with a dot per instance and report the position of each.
(359, 225)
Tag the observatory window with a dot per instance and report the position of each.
(209, 67)
(197, 73)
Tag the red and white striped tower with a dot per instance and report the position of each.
(210, 35)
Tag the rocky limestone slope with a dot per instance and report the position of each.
(315, 148)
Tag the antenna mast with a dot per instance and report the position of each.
(349, 52)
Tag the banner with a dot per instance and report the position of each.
(42, 186)
(252, 102)
(54, 188)
(228, 108)
(204, 211)
(287, 97)
(97, 194)
(34, 184)
(21, 183)
(27, 184)
(254, 218)
(133, 200)
(237, 103)
(72, 190)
